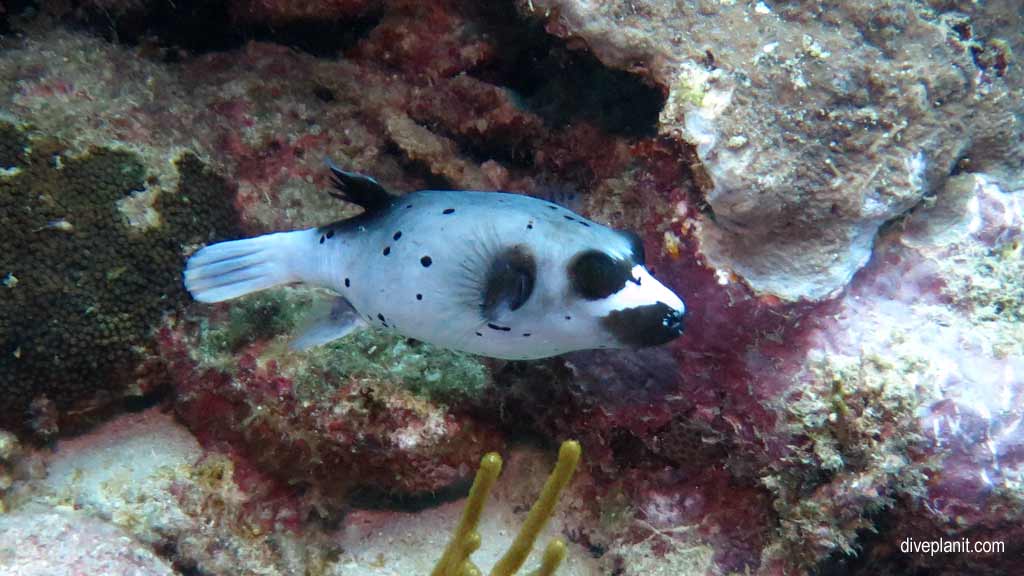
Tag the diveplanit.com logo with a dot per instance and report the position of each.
(958, 546)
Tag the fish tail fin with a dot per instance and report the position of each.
(231, 269)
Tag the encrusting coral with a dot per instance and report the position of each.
(456, 562)
(83, 288)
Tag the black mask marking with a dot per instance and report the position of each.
(595, 275)
(509, 281)
(644, 326)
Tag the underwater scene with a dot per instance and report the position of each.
(511, 287)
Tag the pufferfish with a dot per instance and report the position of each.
(490, 273)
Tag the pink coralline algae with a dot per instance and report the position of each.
(833, 189)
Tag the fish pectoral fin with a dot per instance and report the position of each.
(337, 321)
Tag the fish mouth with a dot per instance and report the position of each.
(644, 326)
(673, 321)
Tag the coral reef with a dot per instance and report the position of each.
(769, 154)
(815, 123)
(142, 483)
(374, 405)
(74, 328)
(821, 424)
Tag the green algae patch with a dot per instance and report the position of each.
(251, 319)
(429, 371)
(82, 292)
(278, 316)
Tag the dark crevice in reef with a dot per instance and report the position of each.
(12, 10)
(517, 154)
(560, 85)
(323, 39)
(201, 26)
(563, 86)
(417, 169)
(368, 498)
(194, 26)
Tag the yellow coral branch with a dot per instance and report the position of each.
(466, 539)
(554, 554)
(540, 513)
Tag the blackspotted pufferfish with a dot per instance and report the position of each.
(490, 273)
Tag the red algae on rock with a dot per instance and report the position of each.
(308, 422)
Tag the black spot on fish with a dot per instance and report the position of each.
(419, 296)
(552, 206)
(526, 334)
(408, 205)
(397, 235)
(387, 250)
(569, 218)
(322, 238)
(426, 261)
(585, 224)
(529, 226)
(496, 327)
(448, 211)
(479, 334)
(330, 234)
(347, 283)
(381, 318)
(568, 317)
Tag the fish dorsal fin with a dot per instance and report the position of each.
(359, 189)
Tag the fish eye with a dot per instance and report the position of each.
(510, 280)
(636, 247)
(595, 275)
